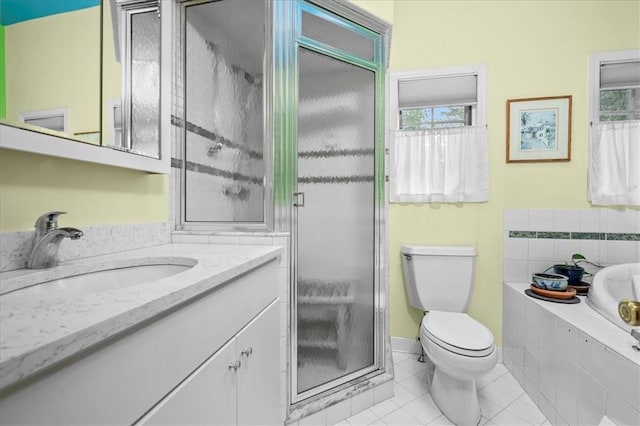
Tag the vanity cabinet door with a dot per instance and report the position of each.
(206, 397)
(259, 376)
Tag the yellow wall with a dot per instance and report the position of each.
(32, 184)
(54, 62)
(531, 49)
(92, 194)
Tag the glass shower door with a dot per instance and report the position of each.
(335, 220)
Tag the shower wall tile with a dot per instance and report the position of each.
(383, 392)
(338, 412)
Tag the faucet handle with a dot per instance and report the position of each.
(48, 221)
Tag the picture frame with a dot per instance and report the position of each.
(539, 129)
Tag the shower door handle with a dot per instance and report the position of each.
(298, 199)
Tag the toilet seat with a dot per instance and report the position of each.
(458, 333)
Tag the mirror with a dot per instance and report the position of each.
(131, 76)
(51, 58)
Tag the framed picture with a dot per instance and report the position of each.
(539, 129)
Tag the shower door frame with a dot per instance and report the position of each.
(287, 41)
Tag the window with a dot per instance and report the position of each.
(615, 86)
(430, 99)
(53, 119)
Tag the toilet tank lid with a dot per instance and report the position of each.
(439, 250)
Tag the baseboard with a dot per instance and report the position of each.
(404, 344)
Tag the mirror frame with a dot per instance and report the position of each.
(53, 144)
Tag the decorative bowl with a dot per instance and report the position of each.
(573, 272)
(555, 282)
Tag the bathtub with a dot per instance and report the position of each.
(574, 363)
(612, 285)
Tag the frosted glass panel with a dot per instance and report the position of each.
(145, 83)
(335, 35)
(224, 111)
(335, 228)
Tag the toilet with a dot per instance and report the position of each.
(439, 280)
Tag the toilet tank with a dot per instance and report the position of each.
(439, 278)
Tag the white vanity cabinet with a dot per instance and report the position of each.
(238, 385)
(172, 368)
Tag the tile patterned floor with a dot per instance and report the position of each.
(502, 400)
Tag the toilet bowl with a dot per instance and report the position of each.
(439, 280)
(462, 350)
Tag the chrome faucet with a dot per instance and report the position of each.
(47, 241)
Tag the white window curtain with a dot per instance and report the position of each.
(448, 165)
(614, 163)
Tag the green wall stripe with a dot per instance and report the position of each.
(3, 87)
(575, 235)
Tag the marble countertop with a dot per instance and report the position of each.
(36, 333)
(582, 316)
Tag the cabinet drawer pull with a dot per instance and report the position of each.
(247, 352)
(234, 365)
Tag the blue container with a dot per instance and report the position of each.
(555, 282)
(573, 272)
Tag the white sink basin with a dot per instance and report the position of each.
(610, 286)
(81, 280)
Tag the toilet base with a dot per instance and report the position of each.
(456, 398)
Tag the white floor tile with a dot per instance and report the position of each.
(528, 412)
(384, 408)
(506, 418)
(495, 393)
(502, 400)
(441, 421)
(508, 384)
(363, 418)
(416, 385)
(413, 366)
(402, 395)
(400, 417)
(488, 408)
(401, 373)
(423, 408)
(498, 371)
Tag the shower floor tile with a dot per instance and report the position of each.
(502, 399)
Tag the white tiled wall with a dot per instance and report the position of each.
(15, 247)
(524, 256)
(573, 377)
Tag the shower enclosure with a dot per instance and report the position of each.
(280, 111)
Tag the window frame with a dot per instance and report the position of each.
(479, 113)
(595, 62)
(43, 114)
